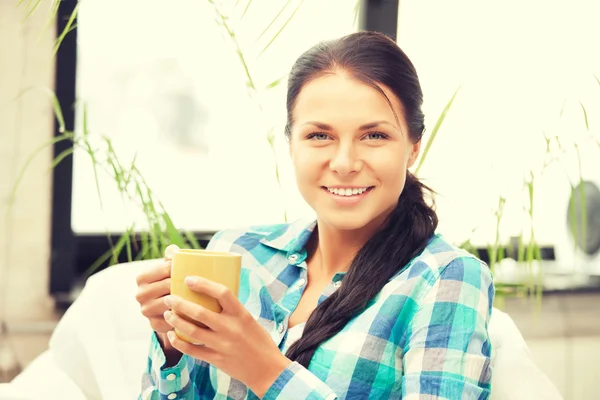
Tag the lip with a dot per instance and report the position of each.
(348, 200)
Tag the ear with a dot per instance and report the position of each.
(414, 151)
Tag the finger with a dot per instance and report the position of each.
(170, 251)
(153, 290)
(194, 332)
(199, 352)
(196, 312)
(157, 273)
(224, 296)
(154, 308)
(160, 325)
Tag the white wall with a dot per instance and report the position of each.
(25, 123)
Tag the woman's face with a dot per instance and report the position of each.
(349, 152)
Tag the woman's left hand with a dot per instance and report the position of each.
(234, 342)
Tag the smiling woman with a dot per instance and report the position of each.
(366, 301)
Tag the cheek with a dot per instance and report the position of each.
(307, 165)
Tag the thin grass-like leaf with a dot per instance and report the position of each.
(98, 263)
(246, 9)
(192, 239)
(63, 154)
(276, 82)
(144, 247)
(35, 6)
(356, 11)
(562, 108)
(585, 116)
(130, 236)
(175, 237)
(67, 29)
(435, 130)
(273, 20)
(282, 28)
(53, 141)
(51, 19)
(116, 251)
(597, 80)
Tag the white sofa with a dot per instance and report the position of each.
(99, 349)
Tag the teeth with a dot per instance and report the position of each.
(347, 192)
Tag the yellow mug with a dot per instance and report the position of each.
(219, 267)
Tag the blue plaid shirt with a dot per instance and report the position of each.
(423, 336)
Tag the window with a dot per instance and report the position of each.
(518, 63)
(163, 80)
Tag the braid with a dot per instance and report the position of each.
(406, 233)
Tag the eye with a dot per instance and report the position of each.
(319, 136)
(376, 136)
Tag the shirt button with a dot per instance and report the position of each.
(302, 282)
(172, 396)
(171, 377)
(337, 284)
(280, 328)
(293, 258)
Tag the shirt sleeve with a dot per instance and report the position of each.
(296, 382)
(447, 348)
(182, 381)
(185, 380)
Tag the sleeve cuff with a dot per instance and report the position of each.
(169, 380)
(296, 382)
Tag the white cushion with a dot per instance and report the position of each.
(101, 345)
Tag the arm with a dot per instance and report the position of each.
(296, 382)
(447, 349)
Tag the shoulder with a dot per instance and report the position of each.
(442, 263)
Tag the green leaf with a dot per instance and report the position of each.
(435, 130)
(51, 19)
(57, 139)
(131, 236)
(357, 9)
(246, 9)
(63, 154)
(282, 28)
(276, 82)
(192, 240)
(32, 8)
(67, 28)
(273, 20)
(585, 116)
(175, 237)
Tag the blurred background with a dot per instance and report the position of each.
(123, 124)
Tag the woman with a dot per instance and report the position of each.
(366, 302)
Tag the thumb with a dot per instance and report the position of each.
(170, 251)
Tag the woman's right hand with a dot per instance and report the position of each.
(153, 286)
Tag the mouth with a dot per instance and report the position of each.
(348, 192)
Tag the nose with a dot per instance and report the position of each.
(345, 160)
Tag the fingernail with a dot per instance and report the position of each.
(168, 314)
(191, 280)
(171, 335)
(168, 301)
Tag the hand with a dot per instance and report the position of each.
(153, 285)
(233, 341)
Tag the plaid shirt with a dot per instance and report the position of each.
(423, 336)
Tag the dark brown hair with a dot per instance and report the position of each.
(376, 60)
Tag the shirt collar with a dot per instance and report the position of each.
(292, 237)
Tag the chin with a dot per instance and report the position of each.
(345, 221)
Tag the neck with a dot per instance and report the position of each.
(336, 248)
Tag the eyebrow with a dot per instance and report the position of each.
(370, 125)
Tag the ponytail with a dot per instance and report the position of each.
(404, 235)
